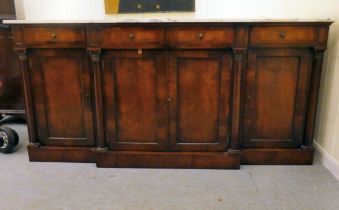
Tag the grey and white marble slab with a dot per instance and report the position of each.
(162, 18)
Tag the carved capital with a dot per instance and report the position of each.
(318, 53)
(95, 54)
(318, 56)
(239, 53)
(22, 53)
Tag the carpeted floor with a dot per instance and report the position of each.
(69, 186)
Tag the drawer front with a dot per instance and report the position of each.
(283, 35)
(55, 36)
(131, 37)
(200, 37)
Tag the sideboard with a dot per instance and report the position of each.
(171, 94)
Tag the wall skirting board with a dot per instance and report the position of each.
(327, 160)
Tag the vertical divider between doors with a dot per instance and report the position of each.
(95, 51)
(238, 69)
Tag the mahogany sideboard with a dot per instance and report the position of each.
(171, 94)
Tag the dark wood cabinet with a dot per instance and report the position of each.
(276, 95)
(11, 99)
(199, 85)
(62, 97)
(171, 95)
(11, 96)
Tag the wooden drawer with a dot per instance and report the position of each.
(200, 37)
(283, 35)
(54, 36)
(133, 37)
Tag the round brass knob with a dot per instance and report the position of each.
(54, 36)
(200, 35)
(282, 34)
(131, 36)
(157, 6)
(139, 6)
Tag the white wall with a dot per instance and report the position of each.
(94, 9)
(327, 131)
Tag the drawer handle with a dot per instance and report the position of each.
(54, 36)
(282, 35)
(200, 35)
(131, 36)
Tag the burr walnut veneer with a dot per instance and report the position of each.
(171, 95)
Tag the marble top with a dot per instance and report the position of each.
(162, 18)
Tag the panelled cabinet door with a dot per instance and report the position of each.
(135, 100)
(199, 100)
(61, 97)
(276, 94)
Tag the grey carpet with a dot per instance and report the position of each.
(45, 186)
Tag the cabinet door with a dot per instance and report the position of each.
(199, 95)
(135, 100)
(276, 93)
(61, 97)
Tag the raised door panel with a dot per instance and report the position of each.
(62, 99)
(199, 95)
(276, 94)
(135, 100)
